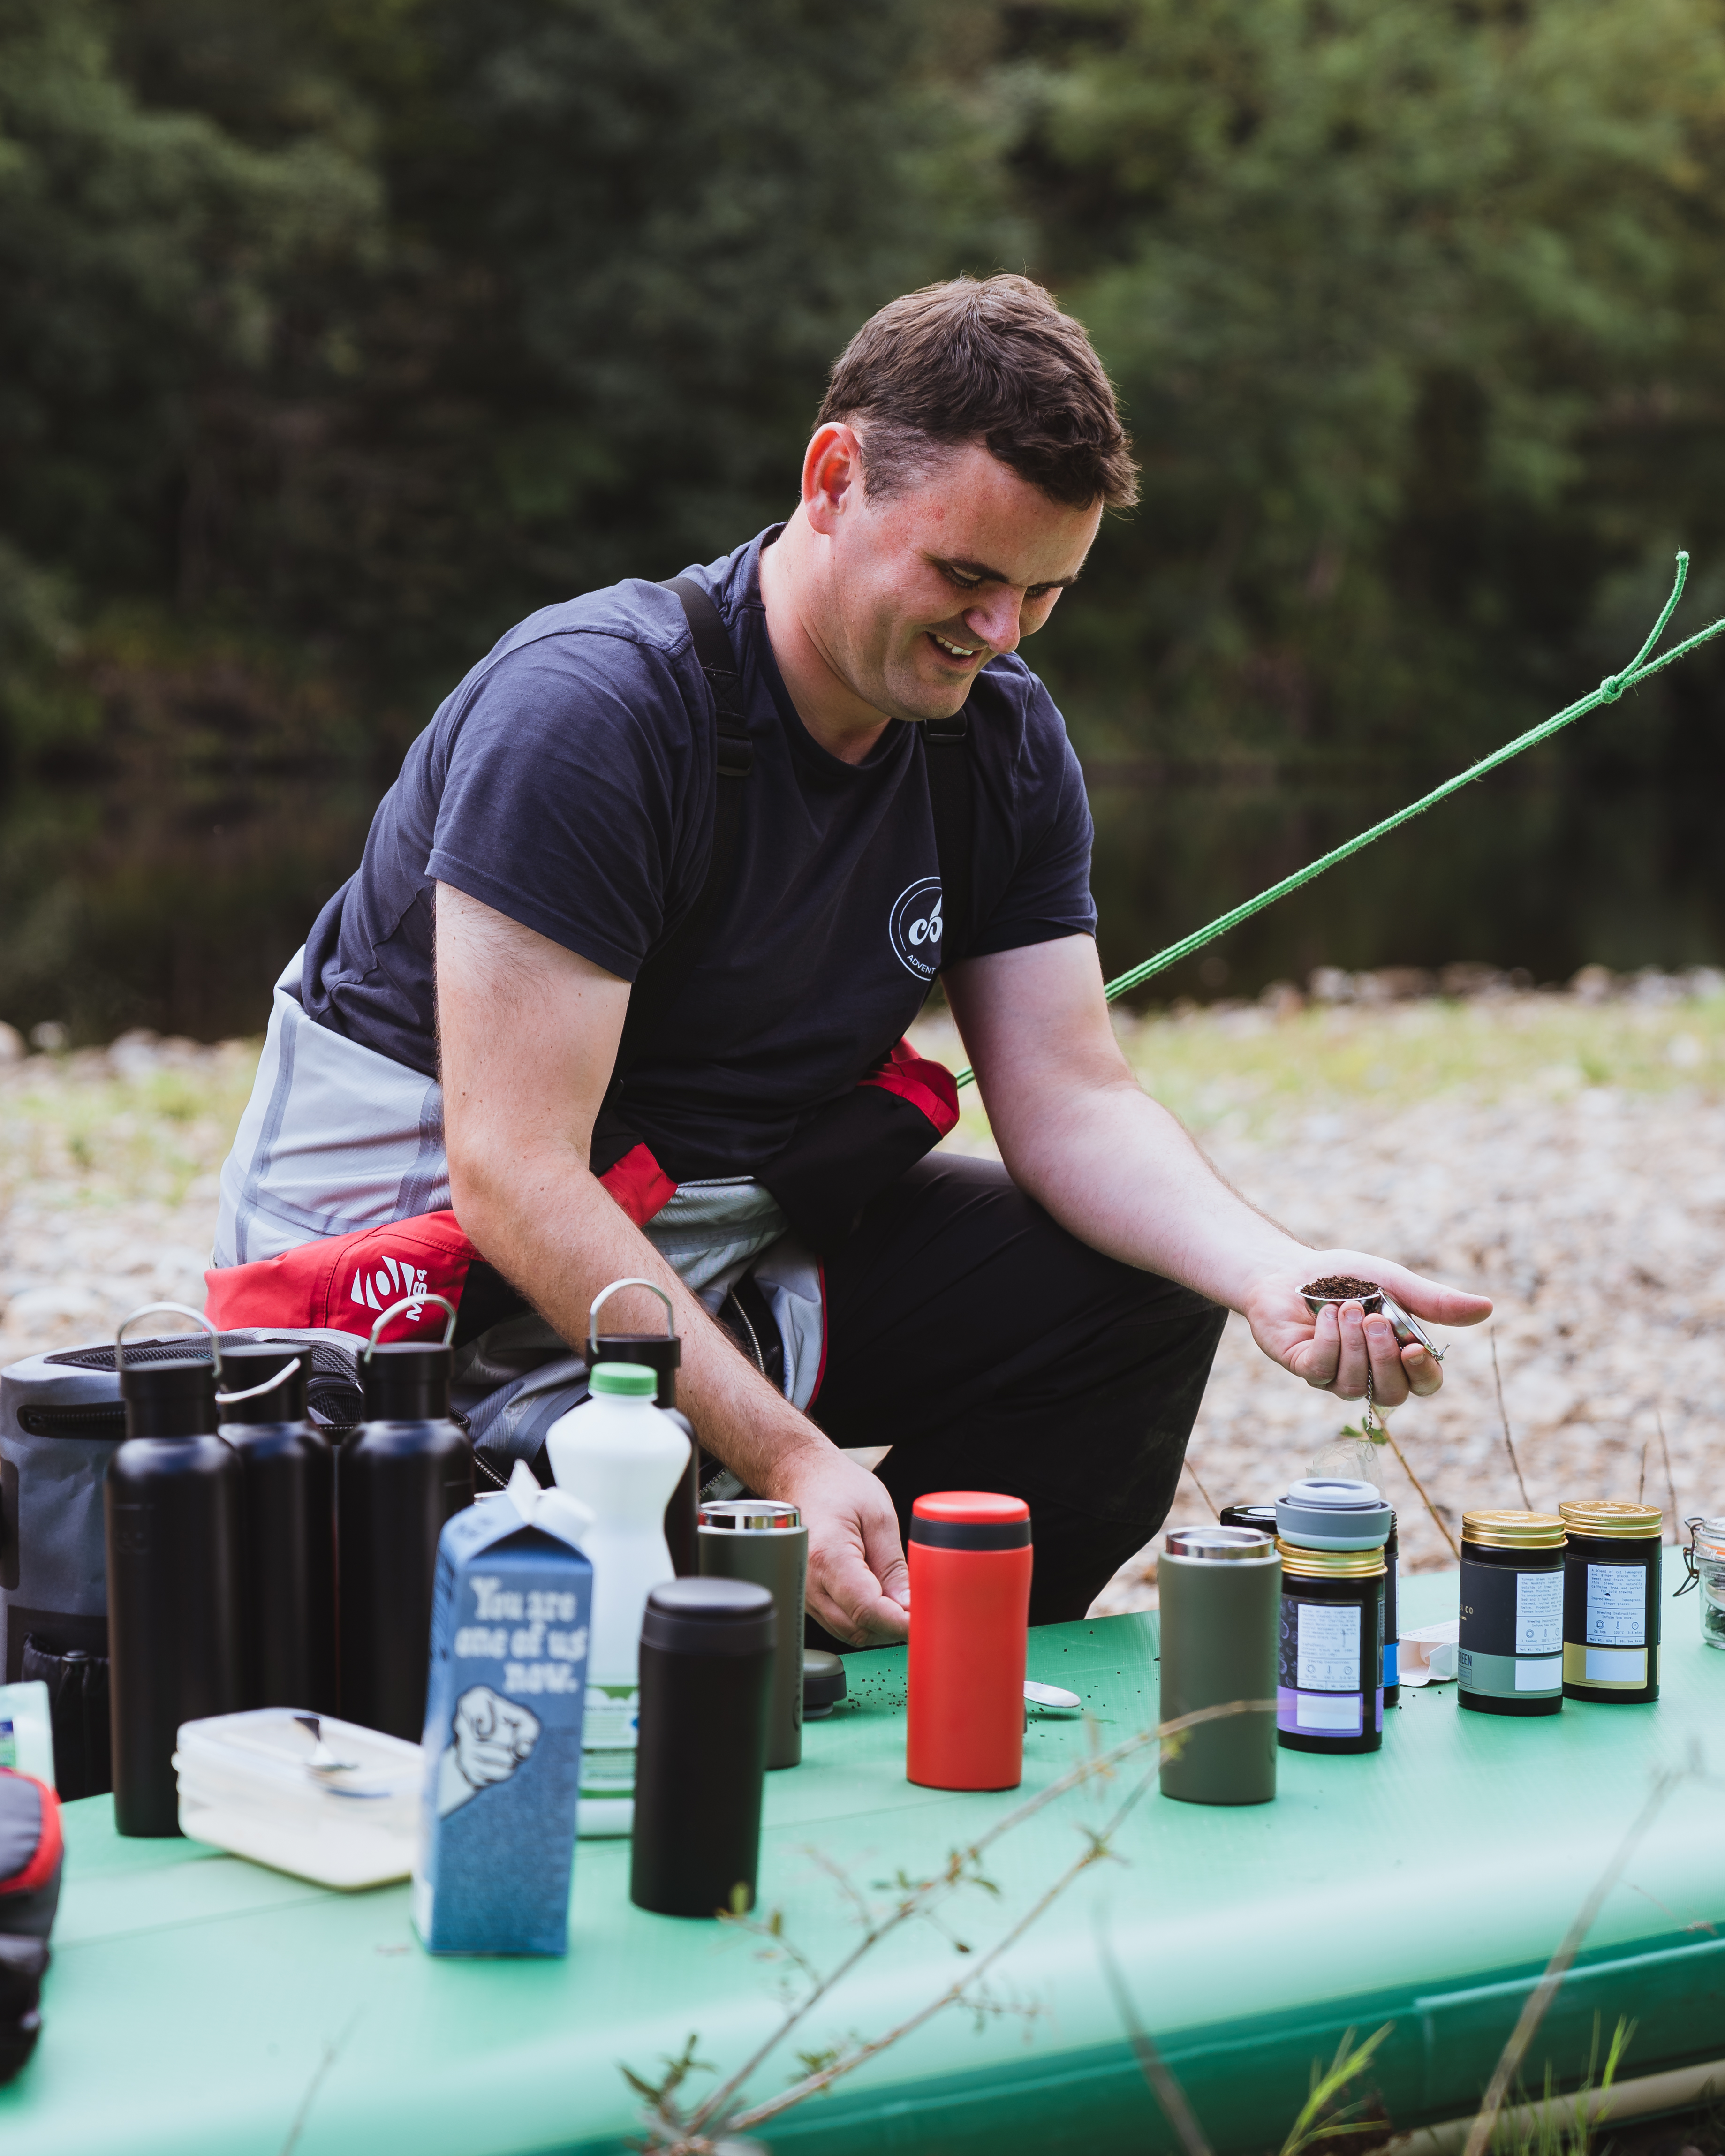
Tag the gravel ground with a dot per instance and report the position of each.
(1564, 1152)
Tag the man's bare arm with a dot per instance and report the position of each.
(1078, 1133)
(527, 1039)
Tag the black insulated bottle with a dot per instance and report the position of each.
(662, 1354)
(705, 1704)
(288, 1572)
(172, 1502)
(406, 1470)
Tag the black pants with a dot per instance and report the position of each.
(993, 1351)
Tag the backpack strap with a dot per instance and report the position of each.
(952, 796)
(666, 968)
(718, 662)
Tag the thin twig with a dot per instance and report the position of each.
(959, 1865)
(1201, 1490)
(814, 2083)
(1641, 1478)
(1155, 2068)
(1541, 1997)
(332, 2052)
(1509, 1443)
(1437, 1516)
(1670, 1486)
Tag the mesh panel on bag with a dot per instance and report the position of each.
(333, 1394)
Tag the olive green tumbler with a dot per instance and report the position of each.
(1220, 1593)
(758, 1539)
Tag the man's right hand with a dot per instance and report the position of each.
(859, 1583)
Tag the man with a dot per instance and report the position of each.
(676, 926)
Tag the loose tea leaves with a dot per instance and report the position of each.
(1342, 1287)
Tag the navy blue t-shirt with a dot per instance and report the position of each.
(569, 783)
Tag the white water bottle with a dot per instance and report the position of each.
(620, 1456)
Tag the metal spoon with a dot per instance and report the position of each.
(323, 1761)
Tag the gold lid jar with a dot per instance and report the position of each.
(1613, 1518)
(1508, 1530)
(1305, 1563)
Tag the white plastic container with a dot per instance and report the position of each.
(323, 1800)
(620, 1456)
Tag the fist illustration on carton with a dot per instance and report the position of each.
(490, 1737)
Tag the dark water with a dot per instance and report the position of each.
(175, 907)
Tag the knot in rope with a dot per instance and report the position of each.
(1611, 688)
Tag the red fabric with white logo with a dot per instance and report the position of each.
(344, 1281)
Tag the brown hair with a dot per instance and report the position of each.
(995, 362)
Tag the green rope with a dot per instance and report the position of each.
(1640, 668)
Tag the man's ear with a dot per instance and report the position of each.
(832, 475)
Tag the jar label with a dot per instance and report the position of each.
(1617, 1606)
(1337, 1712)
(1507, 1612)
(1539, 1613)
(608, 1737)
(1327, 1653)
(1318, 1670)
(1624, 1667)
(1511, 1676)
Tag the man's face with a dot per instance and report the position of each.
(932, 583)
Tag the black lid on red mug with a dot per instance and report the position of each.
(970, 1520)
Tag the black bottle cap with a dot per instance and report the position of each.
(709, 1616)
(408, 1382)
(660, 1352)
(172, 1395)
(1260, 1516)
(245, 1368)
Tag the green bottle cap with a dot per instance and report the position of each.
(624, 1381)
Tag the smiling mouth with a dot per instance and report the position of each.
(963, 653)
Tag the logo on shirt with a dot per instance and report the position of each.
(375, 1284)
(915, 928)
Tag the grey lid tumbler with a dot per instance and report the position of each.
(1220, 1593)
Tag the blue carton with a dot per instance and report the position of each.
(508, 1683)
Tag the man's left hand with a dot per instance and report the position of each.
(1332, 1351)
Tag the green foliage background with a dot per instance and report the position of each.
(340, 333)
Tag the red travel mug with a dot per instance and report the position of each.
(970, 1612)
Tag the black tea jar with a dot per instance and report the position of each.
(1611, 1573)
(1511, 1655)
(1329, 1687)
